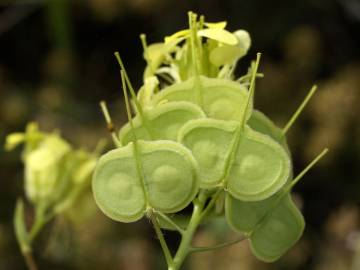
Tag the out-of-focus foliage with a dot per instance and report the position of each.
(57, 63)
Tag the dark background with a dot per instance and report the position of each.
(56, 63)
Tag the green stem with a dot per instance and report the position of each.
(23, 237)
(197, 215)
(171, 222)
(109, 122)
(40, 221)
(163, 244)
(204, 249)
(210, 204)
(248, 76)
(200, 211)
(299, 110)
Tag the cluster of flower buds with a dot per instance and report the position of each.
(55, 175)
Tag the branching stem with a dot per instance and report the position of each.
(204, 249)
(171, 222)
(199, 212)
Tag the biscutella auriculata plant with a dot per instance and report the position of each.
(193, 140)
(197, 139)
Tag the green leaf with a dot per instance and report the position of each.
(20, 227)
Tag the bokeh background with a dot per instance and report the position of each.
(56, 63)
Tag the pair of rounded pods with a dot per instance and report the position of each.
(275, 224)
(145, 175)
(249, 165)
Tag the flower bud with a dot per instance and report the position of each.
(43, 167)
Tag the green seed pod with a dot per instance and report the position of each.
(254, 212)
(210, 141)
(261, 123)
(249, 165)
(236, 209)
(260, 167)
(130, 180)
(273, 225)
(161, 122)
(219, 98)
(278, 232)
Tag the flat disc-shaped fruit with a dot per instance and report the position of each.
(242, 216)
(117, 186)
(249, 165)
(261, 123)
(210, 141)
(219, 98)
(170, 175)
(161, 175)
(259, 169)
(161, 122)
(254, 211)
(278, 231)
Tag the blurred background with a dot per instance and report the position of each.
(56, 64)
